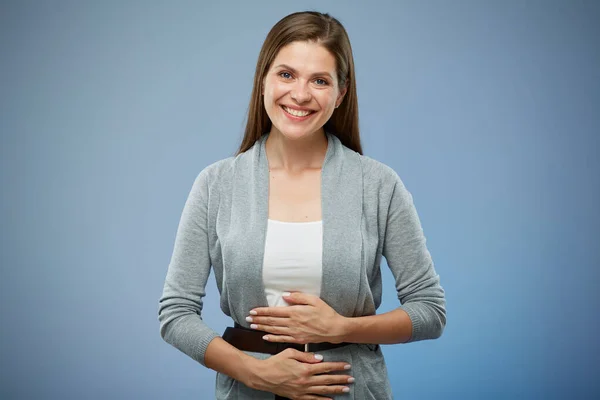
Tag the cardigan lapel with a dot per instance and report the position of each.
(341, 202)
(244, 246)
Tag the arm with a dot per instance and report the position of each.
(417, 283)
(422, 314)
(391, 327)
(226, 359)
(180, 305)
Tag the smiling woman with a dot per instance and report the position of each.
(295, 226)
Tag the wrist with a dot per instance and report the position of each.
(344, 330)
(251, 375)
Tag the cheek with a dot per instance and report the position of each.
(326, 100)
(273, 92)
(268, 100)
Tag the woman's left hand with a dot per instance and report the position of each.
(308, 319)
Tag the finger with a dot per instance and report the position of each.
(270, 311)
(277, 330)
(326, 367)
(273, 321)
(281, 339)
(329, 389)
(322, 380)
(310, 358)
(301, 298)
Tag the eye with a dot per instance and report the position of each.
(321, 82)
(285, 75)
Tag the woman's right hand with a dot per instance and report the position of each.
(300, 376)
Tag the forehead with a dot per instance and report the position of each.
(306, 57)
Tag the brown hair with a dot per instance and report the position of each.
(328, 32)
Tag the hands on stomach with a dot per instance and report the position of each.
(301, 376)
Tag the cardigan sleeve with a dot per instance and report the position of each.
(180, 305)
(417, 283)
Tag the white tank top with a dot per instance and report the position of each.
(293, 260)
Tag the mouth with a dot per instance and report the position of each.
(297, 114)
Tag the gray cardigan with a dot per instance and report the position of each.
(367, 213)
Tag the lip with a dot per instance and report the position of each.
(295, 118)
(297, 108)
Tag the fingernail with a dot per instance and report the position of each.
(249, 319)
(253, 326)
(347, 366)
(350, 380)
(318, 356)
(285, 294)
(252, 312)
(345, 390)
(266, 337)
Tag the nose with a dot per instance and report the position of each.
(300, 93)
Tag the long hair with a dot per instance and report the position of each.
(329, 33)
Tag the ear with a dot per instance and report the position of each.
(340, 97)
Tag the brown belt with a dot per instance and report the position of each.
(251, 340)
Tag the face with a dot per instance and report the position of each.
(301, 89)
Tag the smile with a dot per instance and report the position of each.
(297, 113)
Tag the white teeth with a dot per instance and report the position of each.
(296, 113)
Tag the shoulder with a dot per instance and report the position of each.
(213, 176)
(382, 184)
(376, 170)
(380, 181)
(221, 174)
(372, 170)
(217, 169)
(222, 171)
(379, 175)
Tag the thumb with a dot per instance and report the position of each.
(310, 358)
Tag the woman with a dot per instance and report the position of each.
(295, 226)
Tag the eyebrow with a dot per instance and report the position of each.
(285, 66)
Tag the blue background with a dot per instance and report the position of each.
(488, 110)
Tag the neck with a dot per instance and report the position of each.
(296, 155)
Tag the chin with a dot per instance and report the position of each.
(296, 133)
